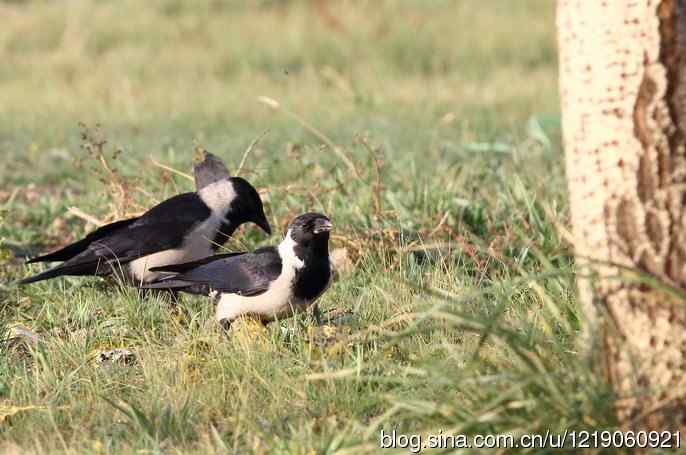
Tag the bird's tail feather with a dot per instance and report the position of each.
(64, 254)
(79, 247)
(51, 273)
(99, 268)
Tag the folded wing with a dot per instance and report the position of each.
(238, 273)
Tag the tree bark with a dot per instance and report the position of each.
(623, 93)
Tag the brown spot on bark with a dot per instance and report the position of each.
(654, 231)
(646, 92)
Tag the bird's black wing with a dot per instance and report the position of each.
(183, 208)
(187, 266)
(244, 274)
(163, 227)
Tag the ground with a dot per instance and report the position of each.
(427, 130)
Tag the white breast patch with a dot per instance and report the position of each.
(276, 302)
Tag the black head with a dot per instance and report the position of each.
(310, 233)
(247, 205)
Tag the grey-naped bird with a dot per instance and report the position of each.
(268, 284)
(183, 228)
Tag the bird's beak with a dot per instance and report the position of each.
(262, 222)
(322, 225)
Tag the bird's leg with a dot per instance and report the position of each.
(225, 325)
(317, 314)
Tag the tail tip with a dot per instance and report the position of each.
(24, 281)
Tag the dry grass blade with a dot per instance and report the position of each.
(77, 212)
(337, 149)
(249, 150)
(338, 374)
(171, 169)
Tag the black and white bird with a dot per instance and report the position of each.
(184, 228)
(268, 284)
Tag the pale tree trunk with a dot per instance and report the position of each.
(623, 90)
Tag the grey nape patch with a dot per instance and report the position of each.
(207, 169)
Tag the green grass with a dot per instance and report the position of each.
(462, 293)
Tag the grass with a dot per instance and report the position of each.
(462, 316)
